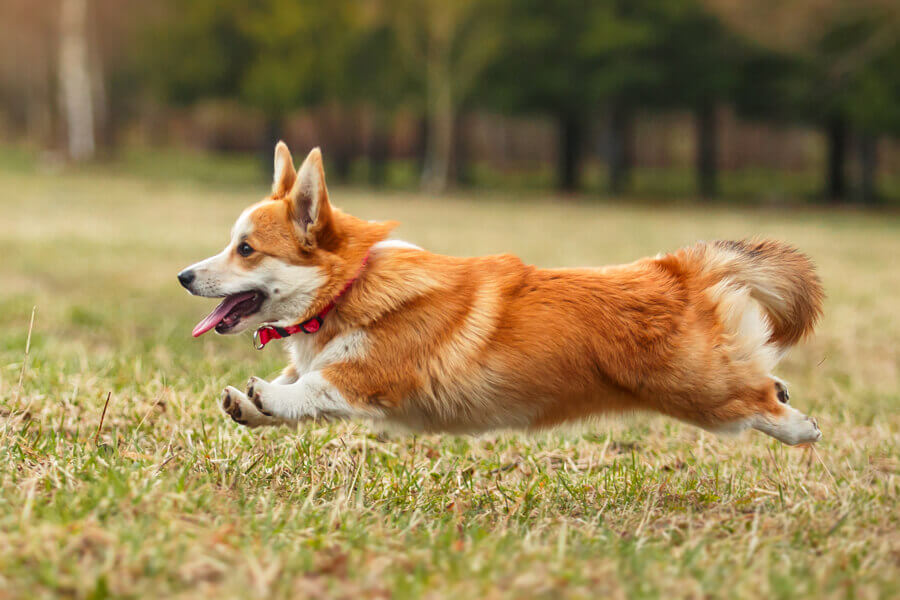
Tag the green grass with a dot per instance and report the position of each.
(174, 499)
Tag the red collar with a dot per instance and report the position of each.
(267, 333)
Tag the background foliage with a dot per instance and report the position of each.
(392, 82)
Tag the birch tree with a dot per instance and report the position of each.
(75, 82)
(451, 43)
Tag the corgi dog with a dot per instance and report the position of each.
(386, 331)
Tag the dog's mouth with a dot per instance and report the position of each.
(229, 313)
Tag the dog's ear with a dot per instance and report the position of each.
(284, 171)
(309, 199)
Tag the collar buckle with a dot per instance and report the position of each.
(312, 325)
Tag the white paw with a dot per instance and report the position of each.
(238, 406)
(259, 392)
(792, 427)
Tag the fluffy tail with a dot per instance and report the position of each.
(781, 278)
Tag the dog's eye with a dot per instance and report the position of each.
(245, 249)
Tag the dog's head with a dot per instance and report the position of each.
(288, 255)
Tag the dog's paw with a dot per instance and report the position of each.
(256, 389)
(801, 430)
(812, 433)
(241, 410)
(791, 427)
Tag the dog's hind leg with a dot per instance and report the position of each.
(765, 409)
(768, 411)
(789, 426)
(784, 423)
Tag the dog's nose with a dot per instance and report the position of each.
(186, 277)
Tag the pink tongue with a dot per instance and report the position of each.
(213, 318)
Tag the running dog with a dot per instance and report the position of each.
(383, 330)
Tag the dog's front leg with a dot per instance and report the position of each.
(310, 397)
(287, 377)
(238, 406)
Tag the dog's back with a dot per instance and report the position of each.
(693, 334)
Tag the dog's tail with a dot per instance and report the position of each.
(778, 276)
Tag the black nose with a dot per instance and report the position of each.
(186, 278)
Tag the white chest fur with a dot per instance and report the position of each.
(306, 357)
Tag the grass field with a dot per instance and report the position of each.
(173, 499)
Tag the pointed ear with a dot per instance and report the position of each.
(309, 199)
(284, 171)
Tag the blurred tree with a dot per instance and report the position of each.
(381, 77)
(300, 53)
(875, 110)
(699, 62)
(274, 55)
(848, 54)
(113, 25)
(449, 45)
(857, 73)
(28, 78)
(75, 85)
(61, 68)
(567, 58)
(196, 49)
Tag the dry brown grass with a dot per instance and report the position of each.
(175, 500)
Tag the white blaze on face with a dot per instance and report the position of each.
(218, 276)
(289, 289)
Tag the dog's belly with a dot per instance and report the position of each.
(484, 400)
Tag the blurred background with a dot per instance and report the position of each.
(570, 133)
(771, 101)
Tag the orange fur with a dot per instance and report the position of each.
(467, 344)
(544, 346)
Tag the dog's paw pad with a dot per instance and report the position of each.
(254, 393)
(815, 425)
(231, 405)
(781, 392)
(806, 431)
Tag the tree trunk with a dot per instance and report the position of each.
(341, 162)
(459, 165)
(868, 164)
(421, 145)
(75, 80)
(707, 130)
(379, 148)
(271, 135)
(104, 134)
(39, 113)
(836, 186)
(340, 144)
(439, 144)
(620, 147)
(569, 152)
(441, 119)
